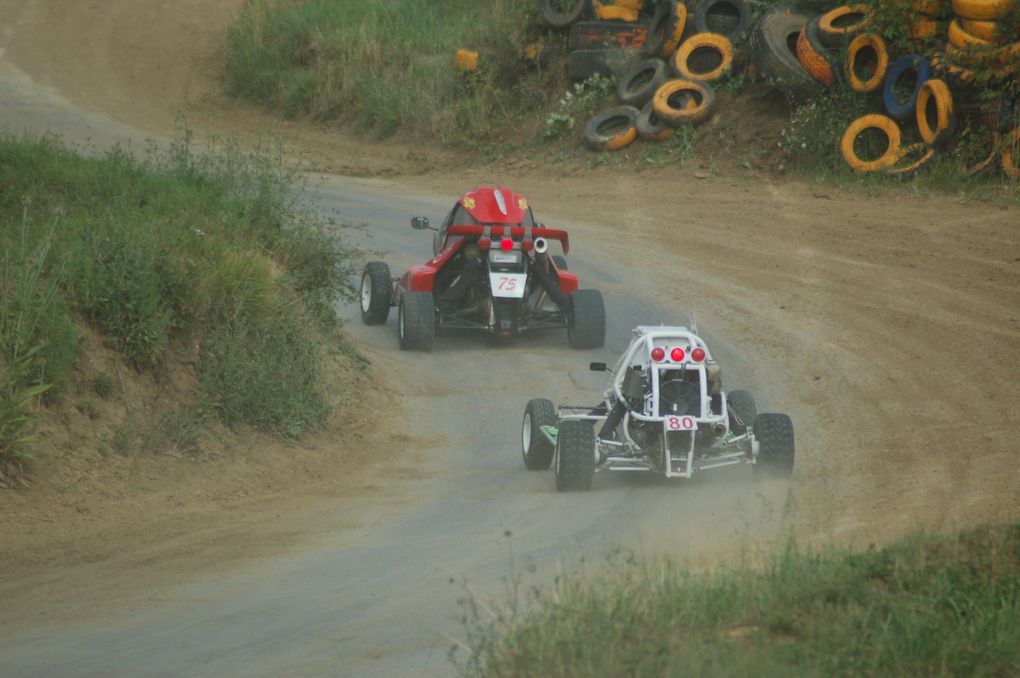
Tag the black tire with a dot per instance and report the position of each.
(575, 456)
(774, 433)
(611, 129)
(561, 18)
(416, 321)
(584, 63)
(376, 293)
(725, 17)
(742, 406)
(641, 80)
(586, 323)
(773, 48)
(815, 40)
(538, 451)
(560, 261)
(650, 127)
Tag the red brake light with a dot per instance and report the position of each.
(484, 243)
(658, 353)
(507, 244)
(698, 354)
(677, 354)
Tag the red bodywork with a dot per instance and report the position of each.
(500, 212)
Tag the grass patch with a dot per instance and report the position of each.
(925, 606)
(388, 65)
(174, 249)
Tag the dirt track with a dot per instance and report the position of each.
(888, 326)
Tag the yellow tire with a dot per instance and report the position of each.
(911, 158)
(675, 30)
(983, 30)
(610, 12)
(884, 124)
(936, 114)
(672, 102)
(867, 62)
(923, 27)
(813, 62)
(842, 23)
(961, 39)
(982, 10)
(1011, 155)
(700, 50)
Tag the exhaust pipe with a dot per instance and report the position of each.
(544, 277)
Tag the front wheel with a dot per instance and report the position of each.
(774, 433)
(416, 321)
(376, 293)
(538, 450)
(575, 456)
(586, 324)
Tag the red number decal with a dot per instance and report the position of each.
(507, 284)
(680, 423)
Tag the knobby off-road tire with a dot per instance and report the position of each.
(742, 404)
(416, 321)
(575, 456)
(774, 433)
(586, 324)
(536, 448)
(376, 293)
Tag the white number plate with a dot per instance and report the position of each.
(674, 423)
(509, 285)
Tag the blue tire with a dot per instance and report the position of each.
(906, 109)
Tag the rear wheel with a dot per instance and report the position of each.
(416, 321)
(586, 325)
(537, 448)
(376, 293)
(741, 404)
(774, 433)
(575, 456)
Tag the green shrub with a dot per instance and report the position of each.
(926, 606)
(388, 65)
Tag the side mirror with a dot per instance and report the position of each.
(598, 367)
(419, 223)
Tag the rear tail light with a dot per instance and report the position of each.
(658, 354)
(677, 354)
(506, 244)
(698, 355)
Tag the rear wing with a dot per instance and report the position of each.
(516, 232)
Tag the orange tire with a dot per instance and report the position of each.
(843, 23)
(983, 30)
(609, 12)
(672, 102)
(961, 39)
(911, 158)
(867, 50)
(982, 10)
(1011, 155)
(675, 30)
(813, 62)
(882, 123)
(716, 47)
(936, 114)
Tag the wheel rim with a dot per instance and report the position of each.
(366, 293)
(526, 434)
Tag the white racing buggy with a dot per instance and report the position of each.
(664, 412)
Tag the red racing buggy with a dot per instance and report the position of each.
(491, 271)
